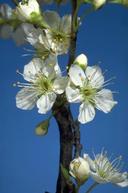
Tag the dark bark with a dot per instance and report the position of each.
(64, 120)
(68, 128)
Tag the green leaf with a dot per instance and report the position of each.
(65, 173)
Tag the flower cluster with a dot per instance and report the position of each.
(101, 169)
(50, 36)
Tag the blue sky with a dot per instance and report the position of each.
(29, 164)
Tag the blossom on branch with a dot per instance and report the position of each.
(87, 87)
(26, 10)
(103, 170)
(59, 31)
(9, 27)
(44, 84)
(79, 169)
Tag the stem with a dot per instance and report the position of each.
(66, 124)
(63, 118)
(92, 187)
(73, 40)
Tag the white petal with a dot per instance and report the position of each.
(51, 67)
(26, 99)
(73, 95)
(60, 84)
(104, 100)
(32, 69)
(90, 162)
(5, 11)
(86, 113)
(45, 102)
(19, 36)
(52, 19)
(32, 34)
(124, 178)
(123, 184)
(97, 178)
(95, 76)
(6, 31)
(77, 75)
(66, 24)
(118, 178)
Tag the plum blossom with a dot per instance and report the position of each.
(103, 170)
(44, 84)
(37, 38)
(87, 87)
(59, 31)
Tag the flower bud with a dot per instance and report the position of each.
(98, 3)
(79, 169)
(81, 61)
(42, 128)
(25, 10)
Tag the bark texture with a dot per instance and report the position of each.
(68, 128)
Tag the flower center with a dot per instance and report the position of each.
(43, 84)
(88, 94)
(58, 37)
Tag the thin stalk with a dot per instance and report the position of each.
(77, 188)
(92, 187)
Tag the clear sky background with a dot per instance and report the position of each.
(29, 164)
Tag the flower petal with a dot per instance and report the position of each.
(104, 100)
(32, 68)
(26, 99)
(95, 76)
(97, 178)
(66, 24)
(60, 84)
(52, 19)
(86, 113)
(118, 178)
(73, 95)
(123, 184)
(90, 162)
(6, 31)
(77, 75)
(32, 34)
(19, 36)
(45, 102)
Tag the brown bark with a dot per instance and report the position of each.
(64, 120)
(68, 128)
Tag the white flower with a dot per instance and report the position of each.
(102, 170)
(36, 37)
(98, 3)
(42, 88)
(59, 31)
(79, 169)
(87, 87)
(24, 11)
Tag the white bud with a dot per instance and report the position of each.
(24, 10)
(98, 3)
(79, 169)
(81, 60)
